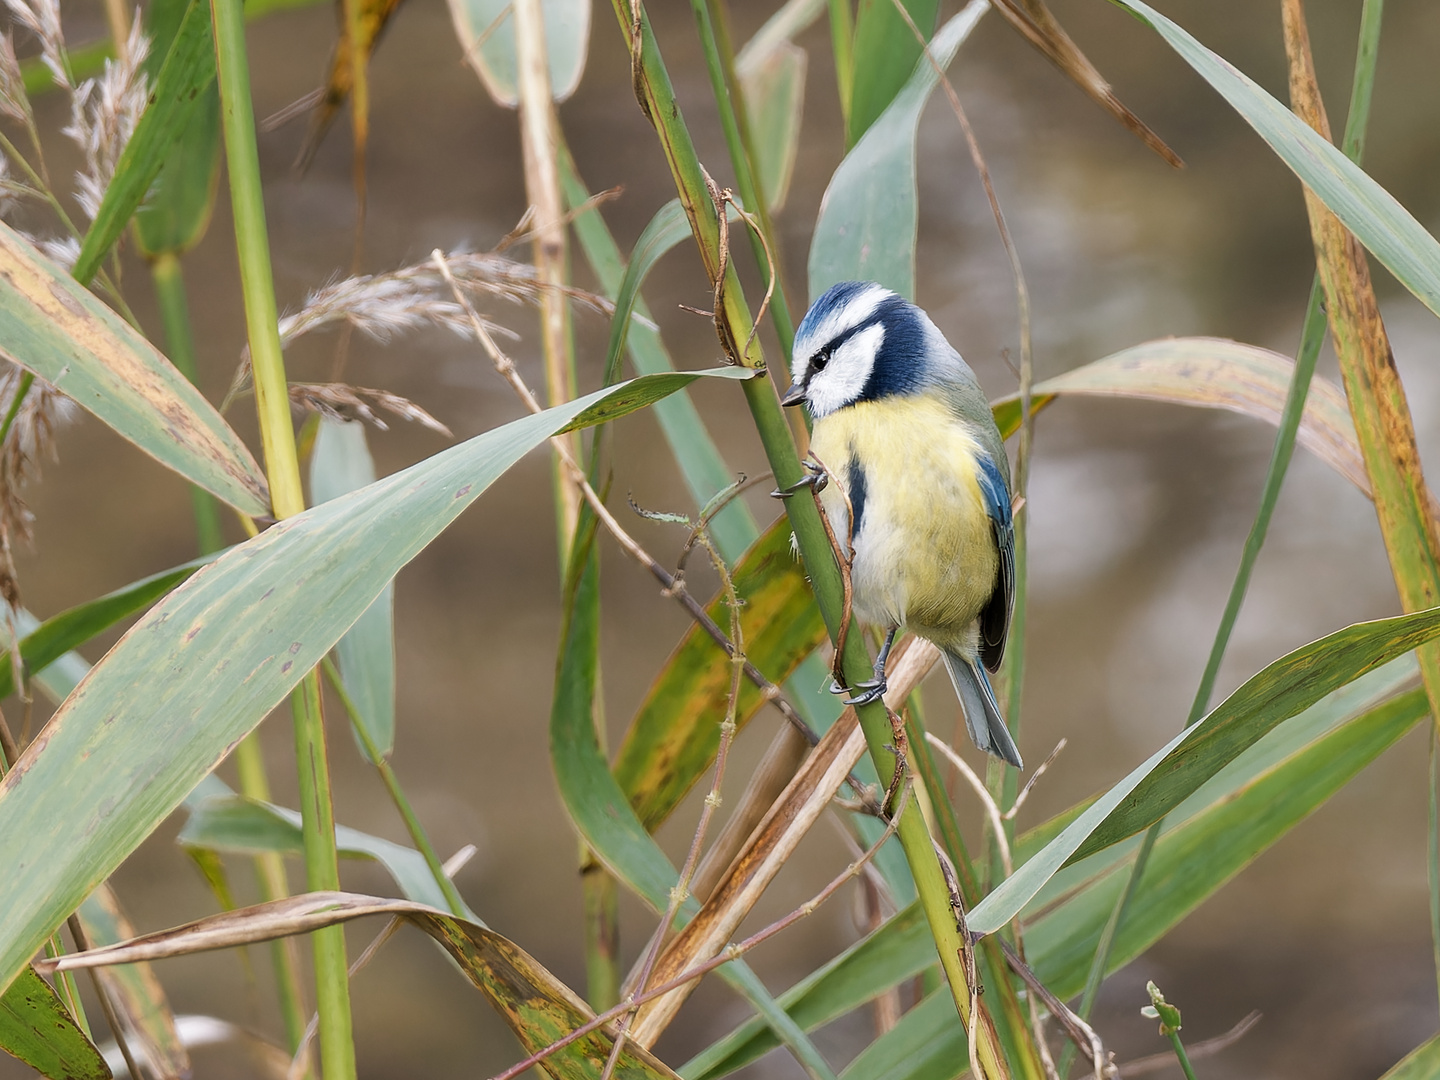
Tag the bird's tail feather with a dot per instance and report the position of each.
(982, 712)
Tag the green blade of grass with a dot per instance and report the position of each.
(50, 640)
(123, 750)
(885, 52)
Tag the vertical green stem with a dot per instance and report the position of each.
(180, 347)
(337, 1051)
(322, 874)
(253, 242)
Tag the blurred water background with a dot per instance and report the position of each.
(1138, 510)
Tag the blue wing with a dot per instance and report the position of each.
(995, 616)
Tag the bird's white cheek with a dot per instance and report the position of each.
(844, 378)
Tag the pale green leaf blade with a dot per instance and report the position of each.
(65, 335)
(339, 464)
(1280, 691)
(927, 1044)
(126, 746)
(1369, 211)
(868, 219)
(44, 643)
(1212, 373)
(487, 36)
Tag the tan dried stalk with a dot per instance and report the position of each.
(539, 144)
(775, 838)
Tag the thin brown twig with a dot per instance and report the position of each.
(733, 952)
(992, 811)
(670, 586)
(1080, 1033)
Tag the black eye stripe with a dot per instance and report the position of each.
(824, 355)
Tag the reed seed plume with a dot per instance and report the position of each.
(14, 101)
(341, 401)
(31, 439)
(382, 305)
(103, 114)
(42, 18)
(412, 297)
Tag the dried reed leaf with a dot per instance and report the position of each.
(539, 1008)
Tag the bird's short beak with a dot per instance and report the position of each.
(794, 396)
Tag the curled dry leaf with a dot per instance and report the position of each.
(539, 1008)
(341, 401)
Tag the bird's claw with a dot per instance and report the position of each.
(870, 690)
(815, 477)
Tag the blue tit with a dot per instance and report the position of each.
(906, 438)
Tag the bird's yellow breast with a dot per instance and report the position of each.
(925, 552)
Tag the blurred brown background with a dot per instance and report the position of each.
(1138, 510)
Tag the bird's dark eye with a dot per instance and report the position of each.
(821, 359)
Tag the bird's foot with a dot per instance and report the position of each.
(815, 477)
(869, 690)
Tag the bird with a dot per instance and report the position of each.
(912, 474)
